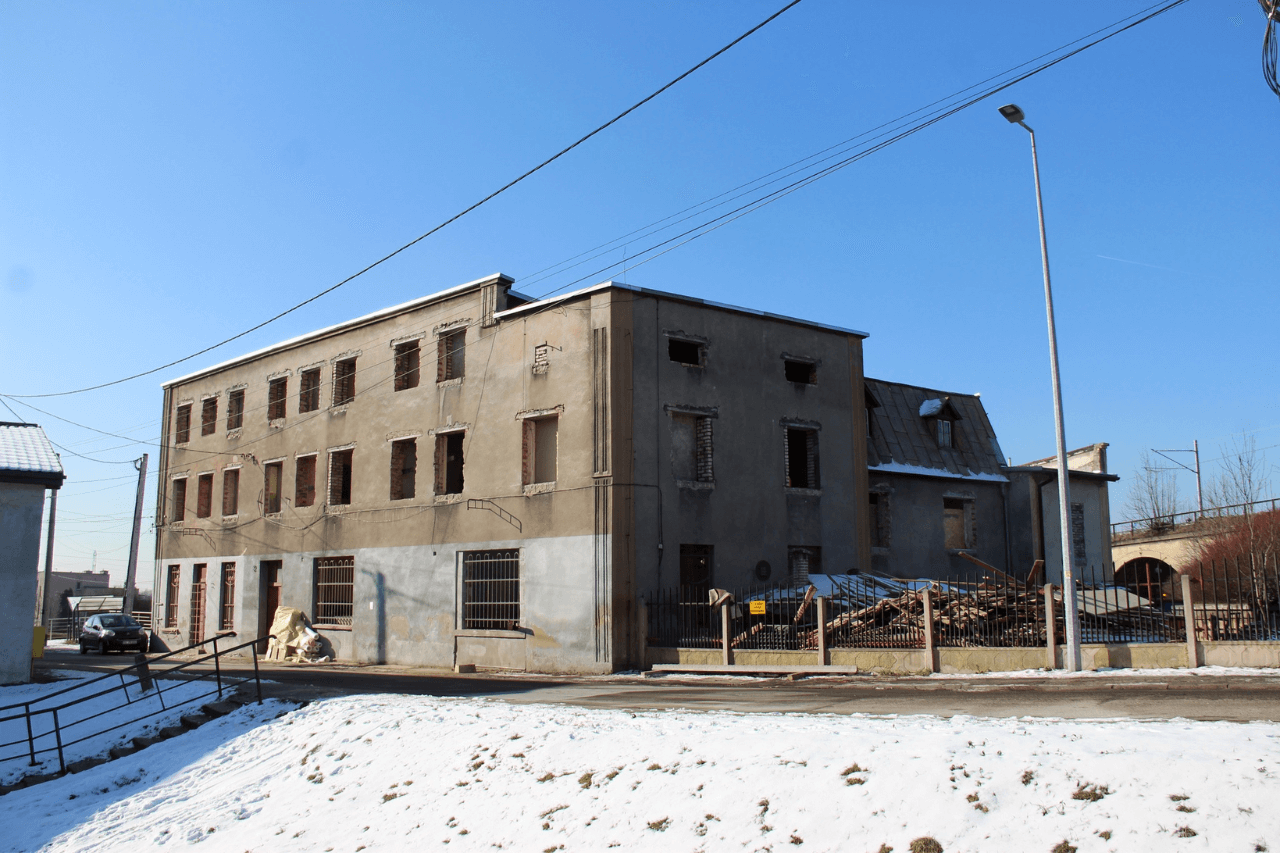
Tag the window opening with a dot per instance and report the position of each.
(451, 356)
(803, 372)
(695, 573)
(449, 463)
(691, 448)
(182, 429)
(227, 604)
(277, 395)
(404, 468)
(944, 433)
(204, 496)
(235, 409)
(491, 590)
(309, 390)
(335, 590)
(231, 492)
(179, 499)
(273, 474)
(956, 518)
(540, 437)
(407, 357)
(171, 597)
(304, 481)
(209, 416)
(340, 477)
(344, 381)
(801, 452)
(688, 353)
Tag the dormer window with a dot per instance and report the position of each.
(941, 415)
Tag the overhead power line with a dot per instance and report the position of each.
(417, 240)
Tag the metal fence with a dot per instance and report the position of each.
(1237, 600)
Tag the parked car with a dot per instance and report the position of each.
(107, 631)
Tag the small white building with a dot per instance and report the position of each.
(28, 466)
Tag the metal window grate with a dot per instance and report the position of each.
(335, 590)
(171, 599)
(227, 611)
(491, 590)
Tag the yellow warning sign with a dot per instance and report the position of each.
(757, 608)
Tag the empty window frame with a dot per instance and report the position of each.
(209, 416)
(179, 511)
(340, 476)
(227, 598)
(344, 381)
(695, 573)
(539, 448)
(957, 523)
(182, 425)
(491, 590)
(945, 438)
(451, 351)
(691, 448)
(801, 372)
(688, 353)
(802, 561)
(404, 468)
(335, 580)
(277, 396)
(231, 491)
(235, 409)
(878, 510)
(449, 446)
(273, 480)
(309, 390)
(800, 455)
(204, 496)
(407, 363)
(304, 481)
(171, 597)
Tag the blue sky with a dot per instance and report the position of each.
(171, 174)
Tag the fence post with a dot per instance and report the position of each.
(1050, 627)
(642, 625)
(929, 651)
(822, 630)
(724, 635)
(1188, 618)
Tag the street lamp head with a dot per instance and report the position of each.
(1013, 113)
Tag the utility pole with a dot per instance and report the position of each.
(48, 563)
(132, 569)
(1195, 448)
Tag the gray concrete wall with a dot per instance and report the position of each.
(1093, 495)
(21, 511)
(917, 542)
(747, 514)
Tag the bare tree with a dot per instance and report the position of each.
(1153, 494)
(1238, 530)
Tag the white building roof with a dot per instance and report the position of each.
(27, 455)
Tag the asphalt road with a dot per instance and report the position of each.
(1217, 697)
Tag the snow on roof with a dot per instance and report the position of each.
(903, 468)
(25, 451)
(929, 408)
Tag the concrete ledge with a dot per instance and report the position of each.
(748, 669)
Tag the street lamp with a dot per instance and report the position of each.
(1071, 614)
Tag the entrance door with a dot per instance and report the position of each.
(196, 634)
(269, 599)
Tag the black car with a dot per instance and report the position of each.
(107, 631)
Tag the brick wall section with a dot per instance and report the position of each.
(209, 416)
(706, 473)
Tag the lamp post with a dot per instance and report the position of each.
(1071, 613)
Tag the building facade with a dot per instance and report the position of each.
(475, 477)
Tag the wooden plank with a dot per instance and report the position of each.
(990, 568)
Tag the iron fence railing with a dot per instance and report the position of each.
(1237, 600)
(1167, 523)
(52, 724)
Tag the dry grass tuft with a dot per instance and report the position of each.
(925, 844)
(1185, 832)
(660, 825)
(1092, 793)
(1063, 846)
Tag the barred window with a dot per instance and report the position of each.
(491, 590)
(182, 429)
(335, 590)
(227, 605)
(406, 366)
(171, 597)
(344, 381)
(235, 409)
(309, 393)
(209, 416)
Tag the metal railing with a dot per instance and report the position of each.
(1168, 523)
(46, 731)
(1237, 600)
(69, 627)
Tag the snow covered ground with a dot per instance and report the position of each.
(400, 772)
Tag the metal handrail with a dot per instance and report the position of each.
(1164, 523)
(144, 679)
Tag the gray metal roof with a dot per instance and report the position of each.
(27, 456)
(903, 441)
